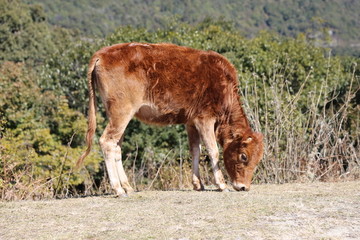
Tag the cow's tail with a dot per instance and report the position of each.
(91, 78)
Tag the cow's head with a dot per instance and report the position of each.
(241, 157)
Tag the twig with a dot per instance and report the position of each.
(158, 171)
(134, 166)
(63, 164)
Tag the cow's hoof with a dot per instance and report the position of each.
(222, 187)
(129, 191)
(123, 195)
(199, 187)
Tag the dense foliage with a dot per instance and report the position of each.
(318, 19)
(304, 100)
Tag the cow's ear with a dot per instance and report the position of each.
(259, 136)
(248, 140)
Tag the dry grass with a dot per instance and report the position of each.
(288, 211)
(307, 136)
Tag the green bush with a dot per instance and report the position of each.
(40, 138)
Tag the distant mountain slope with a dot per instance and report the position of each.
(290, 17)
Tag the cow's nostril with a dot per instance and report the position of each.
(242, 189)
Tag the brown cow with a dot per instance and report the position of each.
(167, 84)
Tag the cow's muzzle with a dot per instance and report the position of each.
(240, 187)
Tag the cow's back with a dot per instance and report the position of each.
(179, 83)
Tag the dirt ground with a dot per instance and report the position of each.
(288, 211)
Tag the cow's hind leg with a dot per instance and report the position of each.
(206, 129)
(110, 143)
(195, 150)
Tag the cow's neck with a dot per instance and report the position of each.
(234, 125)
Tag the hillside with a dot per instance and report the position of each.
(337, 19)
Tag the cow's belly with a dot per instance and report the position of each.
(152, 115)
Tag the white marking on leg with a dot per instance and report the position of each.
(109, 155)
(112, 153)
(206, 130)
(121, 172)
(214, 157)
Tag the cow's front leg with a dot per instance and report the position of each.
(206, 129)
(195, 150)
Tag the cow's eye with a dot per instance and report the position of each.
(243, 157)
